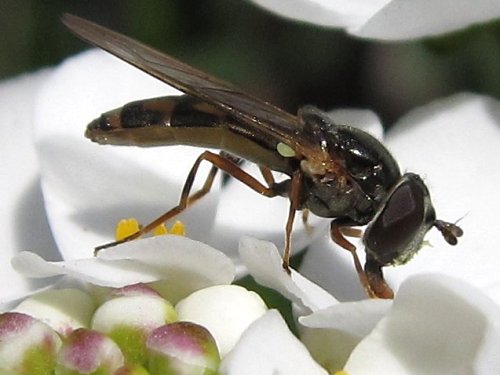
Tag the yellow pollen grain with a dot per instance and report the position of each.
(341, 372)
(125, 228)
(178, 228)
(160, 230)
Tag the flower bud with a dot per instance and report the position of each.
(129, 318)
(27, 346)
(62, 309)
(225, 310)
(87, 352)
(182, 348)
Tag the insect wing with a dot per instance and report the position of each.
(254, 113)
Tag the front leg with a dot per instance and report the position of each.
(375, 276)
(371, 277)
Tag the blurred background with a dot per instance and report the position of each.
(285, 62)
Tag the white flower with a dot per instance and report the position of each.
(388, 19)
(436, 325)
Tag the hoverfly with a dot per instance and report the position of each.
(334, 171)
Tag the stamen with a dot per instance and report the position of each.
(178, 228)
(125, 228)
(160, 230)
(128, 227)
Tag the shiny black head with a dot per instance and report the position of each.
(397, 230)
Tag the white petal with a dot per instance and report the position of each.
(438, 325)
(22, 218)
(388, 20)
(334, 13)
(33, 265)
(178, 264)
(363, 119)
(407, 19)
(182, 265)
(354, 318)
(453, 143)
(332, 333)
(265, 265)
(267, 347)
(88, 187)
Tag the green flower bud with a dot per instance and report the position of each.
(182, 348)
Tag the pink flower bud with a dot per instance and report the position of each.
(86, 351)
(27, 346)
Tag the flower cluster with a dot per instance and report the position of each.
(183, 321)
(133, 330)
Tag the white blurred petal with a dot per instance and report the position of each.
(453, 143)
(386, 19)
(178, 262)
(407, 19)
(22, 218)
(89, 187)
(243, 212)
(267, 347)
(437, 325)
(333, 13)
(327, 264)
(363, 119)
(264, 263)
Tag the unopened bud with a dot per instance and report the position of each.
(129, 319)
(88, 352)
(27, 346)
(182, 348)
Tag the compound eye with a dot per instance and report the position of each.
(404, 218)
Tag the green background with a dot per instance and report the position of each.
(285, 62)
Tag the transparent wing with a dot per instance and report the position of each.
(257, 115)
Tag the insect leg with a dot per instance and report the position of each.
(218, 162)
(294, 195)
(336, 228)
(378, 286)
(267, 174)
